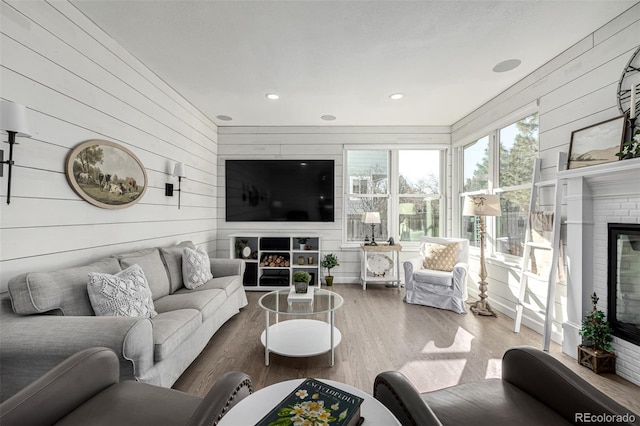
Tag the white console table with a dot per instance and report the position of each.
(380, 264)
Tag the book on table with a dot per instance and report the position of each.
(315, 402)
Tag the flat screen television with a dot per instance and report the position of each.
(279, 190)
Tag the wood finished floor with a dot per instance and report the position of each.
(434, 348)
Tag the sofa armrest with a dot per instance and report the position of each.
(227, 267)
(397, 393)
(410, 267)
(460, 277)
(555, 385)
(62, 389)
(227, 391)
(34, 344)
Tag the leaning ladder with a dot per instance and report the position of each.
(525, 273)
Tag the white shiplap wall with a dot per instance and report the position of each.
(78, 84)
(574, 90)
(321, 142)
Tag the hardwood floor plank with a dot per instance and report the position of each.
(434, 348)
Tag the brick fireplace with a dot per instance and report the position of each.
(596, 197)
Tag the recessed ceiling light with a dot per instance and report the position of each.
(273, 96)
(507, 65)
(396, 96)
(328, 117)
(224, 117)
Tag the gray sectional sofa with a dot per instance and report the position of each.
(48, 316)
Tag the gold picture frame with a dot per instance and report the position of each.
(106, 174)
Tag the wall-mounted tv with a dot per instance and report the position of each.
(279, 190)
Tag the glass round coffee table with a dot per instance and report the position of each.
(300, 337)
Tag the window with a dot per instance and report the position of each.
(509, 174)
(418, 194)
(402, 185)
(368, 174)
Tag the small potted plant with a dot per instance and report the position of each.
(302, 241)
(301, 281)
(329, 261)
(596, 350)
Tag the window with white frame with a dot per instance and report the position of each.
(502, 162)
(402, 185)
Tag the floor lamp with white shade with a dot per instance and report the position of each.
(482, 205)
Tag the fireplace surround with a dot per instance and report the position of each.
(596, 196)
(623, 281)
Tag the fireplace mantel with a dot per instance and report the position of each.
(625, 175)
(620, 179)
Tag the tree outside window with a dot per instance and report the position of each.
(517, 146)
(368, 176)
(415, 195)
(419, 194)
(518, 151)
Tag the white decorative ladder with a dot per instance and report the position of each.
(529, 244)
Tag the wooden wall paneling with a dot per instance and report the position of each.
(630, 17)
(68, 238)
(26, 63)
(78, 84)
(65, 40)
(143, 78)
(72, 61)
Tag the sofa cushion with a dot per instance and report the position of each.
(228, 283)
(494, 401)
(205, 301)
(196, 268)
(65, 290)
(153, 268)
(440, 257)
(172, 258)
(171, 329)
(125, 294)
(434, 277)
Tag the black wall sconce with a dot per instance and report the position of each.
(13, 121)
(179, 171)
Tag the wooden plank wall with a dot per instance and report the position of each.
(78, 84)
(313, 143)
(574, 90)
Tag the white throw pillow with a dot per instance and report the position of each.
(196, 268)
(125, 294)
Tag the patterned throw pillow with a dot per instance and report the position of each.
(196, 268)
(441, 257)
(125, 294)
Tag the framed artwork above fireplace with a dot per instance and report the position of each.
(623, 310)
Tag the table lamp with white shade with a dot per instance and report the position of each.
(372, 218)
(482, 205)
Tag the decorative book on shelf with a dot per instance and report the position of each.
(314, 402)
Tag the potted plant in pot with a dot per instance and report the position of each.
(302, 241)
(329, 261)
(596, 351)
(301, 281)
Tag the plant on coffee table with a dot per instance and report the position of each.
(301, 281)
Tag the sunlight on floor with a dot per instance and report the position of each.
(430, 375)
(461, 344)
(494, 368)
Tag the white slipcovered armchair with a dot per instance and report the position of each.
(445, 289)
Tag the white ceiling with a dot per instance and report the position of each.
(344, 58)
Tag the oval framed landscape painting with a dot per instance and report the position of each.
(106, 174)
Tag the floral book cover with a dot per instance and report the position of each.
(315, 403)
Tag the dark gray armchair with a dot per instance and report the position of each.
(85, 390)
(535, 389)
